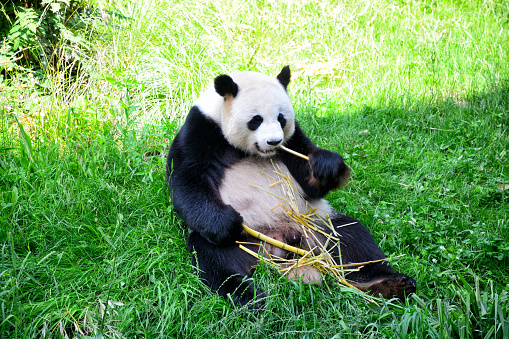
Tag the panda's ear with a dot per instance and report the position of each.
(224, 85)
(284, 76)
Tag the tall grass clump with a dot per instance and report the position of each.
(413, 94)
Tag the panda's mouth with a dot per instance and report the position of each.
(263, 152)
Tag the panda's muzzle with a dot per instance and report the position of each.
(266, 151)
(274, 142)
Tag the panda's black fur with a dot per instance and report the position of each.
(203, 162)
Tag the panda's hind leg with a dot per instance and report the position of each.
(227, 270)
(357, 246)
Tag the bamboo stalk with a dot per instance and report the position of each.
(294, 153)
(256, 255)
(274, 242)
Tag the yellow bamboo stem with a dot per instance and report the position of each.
(294, 153)
(276, 183)
(254, 254)
(274, 242)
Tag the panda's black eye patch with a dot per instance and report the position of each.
(255, 122)
(282, 120)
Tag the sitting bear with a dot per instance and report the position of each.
(217, 167)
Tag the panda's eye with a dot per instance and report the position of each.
(282, 120)
(255, 122)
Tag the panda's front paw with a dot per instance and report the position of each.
(226, 230)
(328, 169)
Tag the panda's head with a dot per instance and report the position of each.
(253, 110)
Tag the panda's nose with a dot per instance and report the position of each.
(274, 142)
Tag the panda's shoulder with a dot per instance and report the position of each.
(209, 103)
(201, 140)
(199, 129)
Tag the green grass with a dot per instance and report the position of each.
(414, 94)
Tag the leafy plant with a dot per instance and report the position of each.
(33, 31)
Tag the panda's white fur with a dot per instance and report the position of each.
(251, 188)
(234, 115)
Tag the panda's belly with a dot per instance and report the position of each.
(263, 198)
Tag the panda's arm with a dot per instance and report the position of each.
(202, 210)
(324, 171)
(196, 163)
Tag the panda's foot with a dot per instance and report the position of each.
(394, 285)
(307, 274)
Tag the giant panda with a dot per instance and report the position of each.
(215, 167)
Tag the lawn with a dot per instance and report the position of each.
(413, 94)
